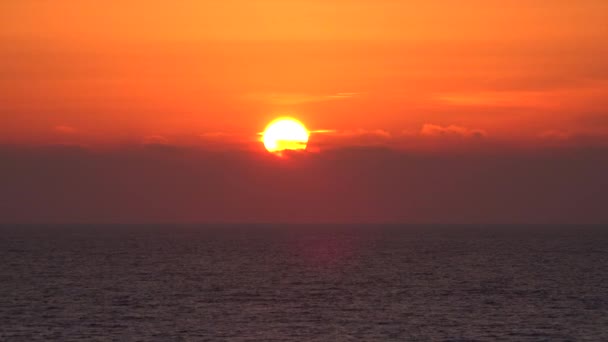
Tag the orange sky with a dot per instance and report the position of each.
(373, 71)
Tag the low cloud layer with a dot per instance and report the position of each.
(451, 131)
(155, 140)
(356, 184)
(356, 137)
(283, 99)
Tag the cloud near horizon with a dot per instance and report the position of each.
(451, 131)
(353, 184)
(355, 137)
(428, 137)
(155, 140)
(284, 99)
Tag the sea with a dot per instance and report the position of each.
(303, 283)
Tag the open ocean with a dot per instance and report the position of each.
(303, 283)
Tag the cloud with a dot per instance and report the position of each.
(490, 98)
(282, 99)
(342, 95)
(431, 130)
(65, 129)
(358, 132)
(354, 184)
(222, 141)
(555, 135)
(155, 140)
(548, 97)
(355, 137)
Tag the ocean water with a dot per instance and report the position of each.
(303, 283)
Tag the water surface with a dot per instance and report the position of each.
(303, 283)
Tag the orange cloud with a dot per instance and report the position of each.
(356, 137)
(283, 99)
(380, 133)
(155, 140)
(451, 131)
(495, 98)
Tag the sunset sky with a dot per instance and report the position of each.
(91, 91)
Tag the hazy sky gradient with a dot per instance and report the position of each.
(117, 71)
(163, 184)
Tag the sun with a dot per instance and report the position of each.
(285, 134)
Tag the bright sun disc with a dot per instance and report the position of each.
(285, 134)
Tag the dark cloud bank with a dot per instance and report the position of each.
(159, 184)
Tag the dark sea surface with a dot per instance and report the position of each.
(303, 283)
